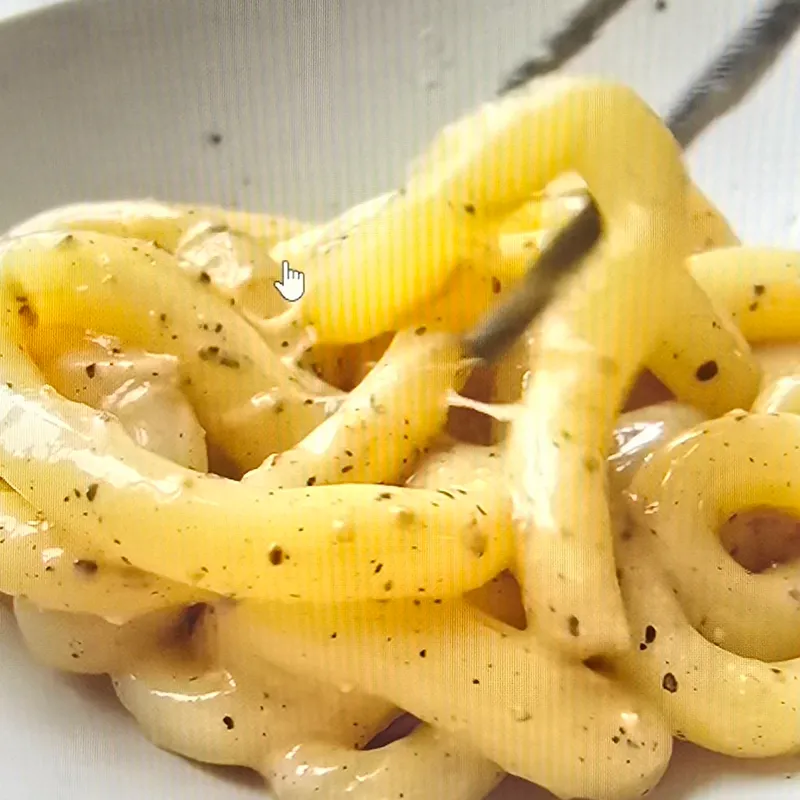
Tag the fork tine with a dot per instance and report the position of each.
(738, 69)
(565, 253)
(577, 33)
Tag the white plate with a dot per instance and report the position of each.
(318, 105)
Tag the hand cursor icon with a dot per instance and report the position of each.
(292, 285)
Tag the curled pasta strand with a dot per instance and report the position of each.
(301, 248)
(685, 493)
(184, 710)
(460, 464)
(548, 209)
(133, 290)
(704, 359)
(380, 427)
(37, 563)
(35, 560)
(639, 434)
(224, 537)
(202, 710)
(425, 763)
(468, 294)
(518, 252)
(758, 287)
(167, 225)
(87, 644)
(470, 287)
(308, 251)
(398, 650)
(471, 290)
(777, 360)
(267, 229)
(737, 706)
(567, 196)
(249, 719)
(783, 395)
(141, 389)
(582, 370)
(237, 266)
(229, 248)
(422, 231)
(709, 227)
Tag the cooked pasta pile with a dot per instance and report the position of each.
(505, 553)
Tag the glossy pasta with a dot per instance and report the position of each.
(278, 528)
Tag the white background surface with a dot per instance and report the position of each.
(10, 8)
(117, 100)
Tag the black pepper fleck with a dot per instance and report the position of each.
(574, 625)
(85, 566)
(28, 315)
(207, 353)
(670, 683)
(707, 371)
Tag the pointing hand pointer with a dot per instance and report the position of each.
(292, 285)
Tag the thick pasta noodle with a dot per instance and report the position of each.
(761, 454)
(550, 596)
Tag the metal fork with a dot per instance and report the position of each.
(716, 91)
